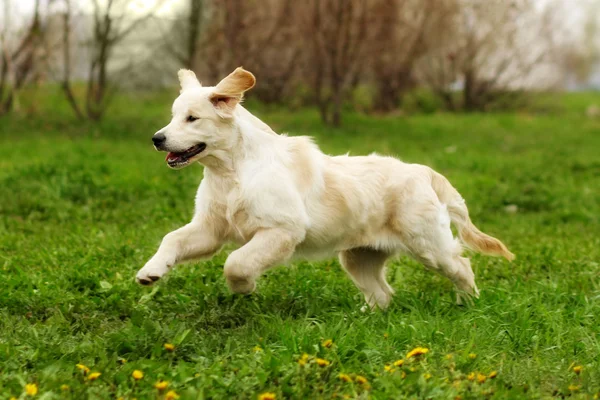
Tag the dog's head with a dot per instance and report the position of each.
(202, 118)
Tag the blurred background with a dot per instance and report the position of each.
(372, 56)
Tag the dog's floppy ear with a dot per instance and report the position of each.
(187, 79)
(230, 91)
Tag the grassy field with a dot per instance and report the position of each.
(83, 207)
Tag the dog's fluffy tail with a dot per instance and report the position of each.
(459, 214)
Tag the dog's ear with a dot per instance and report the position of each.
(187, 79)
(230, 91)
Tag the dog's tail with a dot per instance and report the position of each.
(459, 214)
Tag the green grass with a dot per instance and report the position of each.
(83, 207)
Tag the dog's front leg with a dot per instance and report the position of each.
(192, 241)
(266, 249)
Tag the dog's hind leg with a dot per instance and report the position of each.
(366, 267)
(429, 240)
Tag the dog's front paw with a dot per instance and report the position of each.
(150, 273)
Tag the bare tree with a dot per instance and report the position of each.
(338, 33)
(111, 25)
(18, 63)
(260, 35)
(493, 47)
(401, 39)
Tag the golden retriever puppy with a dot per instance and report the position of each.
(280, 197)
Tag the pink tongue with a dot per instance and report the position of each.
(169, 155)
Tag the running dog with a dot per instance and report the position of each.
(281, 198)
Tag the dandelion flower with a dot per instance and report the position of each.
(257, 349)
(267, 396)
(303, 360)
(389, 368)
(161, 385)
(169, 347)
(137, 374)
(417, 351)
(361, 379)
(471, 376)
(327, 343)
(398, 363)
(493, 374)
(94, 375)
(83, 368)
(449, 356)
(171, 395)
(13, 398)
(481, 378)
(427, 376)
(574, 388)
(31, 389)
(472, 356)
(322, 362)
(64, 387)
(577, 369)
(345, 377)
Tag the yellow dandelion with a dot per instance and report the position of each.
(322, 362)
(171, 395)
(137, 374)
(31, 389)
(389, 368)
(577, 369)
(169, 347)
(64, 387)
(12, 398)
(574, 388)
(449, 356)
(398, 363)
(161, 385)
(417, 351)
(93, 376)
(257, 349)
(471, 376)
(327, 343)
(83, 368)
(427, 376)
(493, 374)
(361, 379)
(481, 378)
(267, 396)
(345, 377)
(303, 360)
(472, 356)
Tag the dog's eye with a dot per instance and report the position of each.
(191, 118)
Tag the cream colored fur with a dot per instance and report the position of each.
(281, 198)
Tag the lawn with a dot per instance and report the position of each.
(83, 206)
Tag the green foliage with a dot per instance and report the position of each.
(83, 207)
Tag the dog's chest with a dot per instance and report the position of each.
(228, 205)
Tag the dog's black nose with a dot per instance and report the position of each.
(158, 139)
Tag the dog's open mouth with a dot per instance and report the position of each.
(182, 159)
